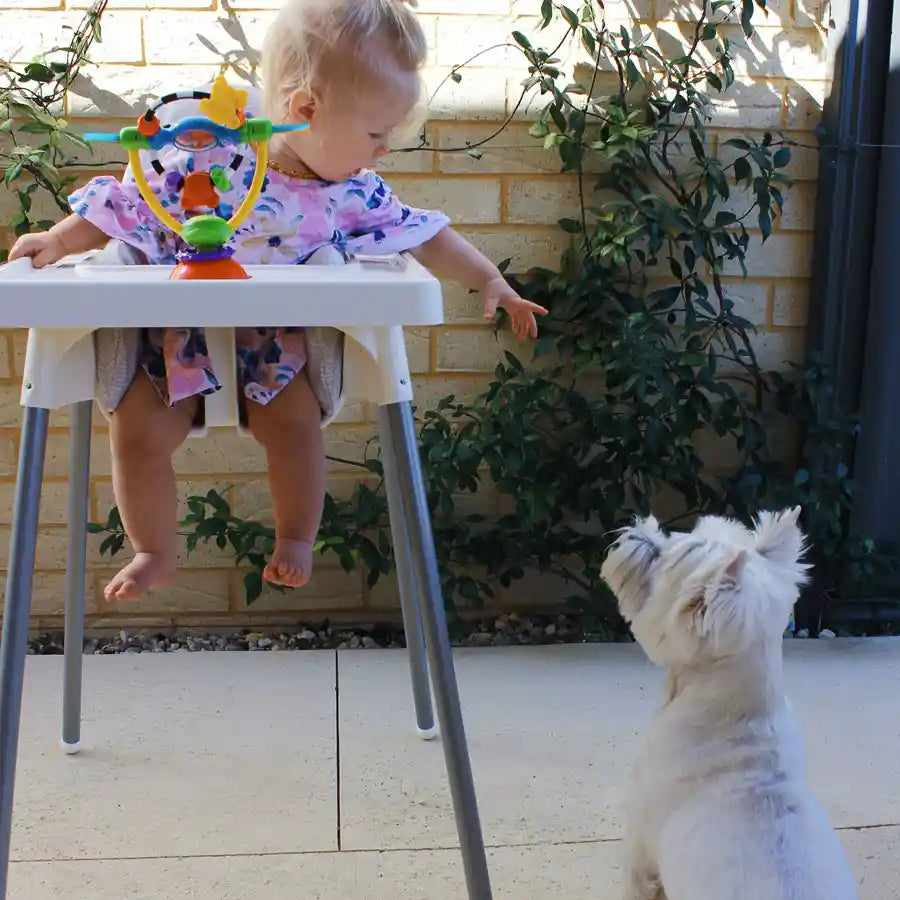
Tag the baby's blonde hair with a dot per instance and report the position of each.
(314, 44)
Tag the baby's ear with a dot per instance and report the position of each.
(779, 538)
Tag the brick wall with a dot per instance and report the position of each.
(506, 203)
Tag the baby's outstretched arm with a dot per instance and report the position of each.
(72, 235)
(449, 255)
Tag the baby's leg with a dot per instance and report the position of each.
(144, 433)
(289, 428)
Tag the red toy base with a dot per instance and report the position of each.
(211, 269)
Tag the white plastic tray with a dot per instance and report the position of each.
(79, 295)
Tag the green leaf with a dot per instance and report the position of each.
(521, 40)
(546, 13)
(456, 76)
(571, 226)
(782, 157)
(253, 585)
(746, 16)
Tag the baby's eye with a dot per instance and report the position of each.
(376, 137)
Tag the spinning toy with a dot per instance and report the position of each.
(222, 124)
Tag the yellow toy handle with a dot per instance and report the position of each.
(259, 176)
(256, 186)
(134, 160)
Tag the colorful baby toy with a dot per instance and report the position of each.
(223, 123)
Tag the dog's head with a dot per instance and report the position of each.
(708, 593)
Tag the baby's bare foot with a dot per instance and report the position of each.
(144, 573)
(291, 563)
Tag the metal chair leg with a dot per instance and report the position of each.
(16, 612)
(76, 553)
(400, 435)
(409, 602)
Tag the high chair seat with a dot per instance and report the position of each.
(72, 309)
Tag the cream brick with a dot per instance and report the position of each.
(418, 349)
(8, 453)
(770, 52)
(125, 91)
(791, 306)
(804, 104)
(20, 341)
(206, 38)
(404, 162)
(57, 459)
(385, 594)
(751, 300)
(194, 591)
(354, 412)
(749, 105)
(804, 164)
(476, 349)
(777, 11)
(467, 201)
(526, 248)
(429, 390)
(512, 151)
(23, 36)
(811, 13)
(341, 590)
(48, 595)
(54, 501)
(461, 306)
(799, 208)
(544, 200)
(465, 7)
(6, 370)
(221, 450)
(458, 41)
(775, 350)
(349, 443)
(31, 4)
(148, 4)
(782, 255)
(481, 94)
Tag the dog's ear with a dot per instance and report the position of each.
(723, 615)
(779, 538)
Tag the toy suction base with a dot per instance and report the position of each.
(212, 269)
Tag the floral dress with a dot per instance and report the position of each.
(292, 219)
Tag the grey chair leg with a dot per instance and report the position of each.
(16, 612)
(409, 602)
(76, 553)
(400, 435)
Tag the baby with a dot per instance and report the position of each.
(351, 69)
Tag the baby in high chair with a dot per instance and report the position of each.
(351, 69)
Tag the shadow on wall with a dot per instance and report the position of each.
(780, 77)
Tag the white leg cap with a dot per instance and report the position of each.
(427, 734)
(70, 749)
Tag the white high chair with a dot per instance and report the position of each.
(65, 304)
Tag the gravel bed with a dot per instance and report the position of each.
(505, 630)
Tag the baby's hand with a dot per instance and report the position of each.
(43, 247)
(522, 312)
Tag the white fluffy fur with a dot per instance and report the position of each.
(722, 810)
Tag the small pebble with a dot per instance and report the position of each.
(827, 633)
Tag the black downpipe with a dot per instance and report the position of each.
(852, 215)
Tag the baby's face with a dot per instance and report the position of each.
(351, 133)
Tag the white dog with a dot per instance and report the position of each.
(722, 810)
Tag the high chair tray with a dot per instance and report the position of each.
(83, 295)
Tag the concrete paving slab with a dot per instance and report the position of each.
(560, 871)
(183, 754)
